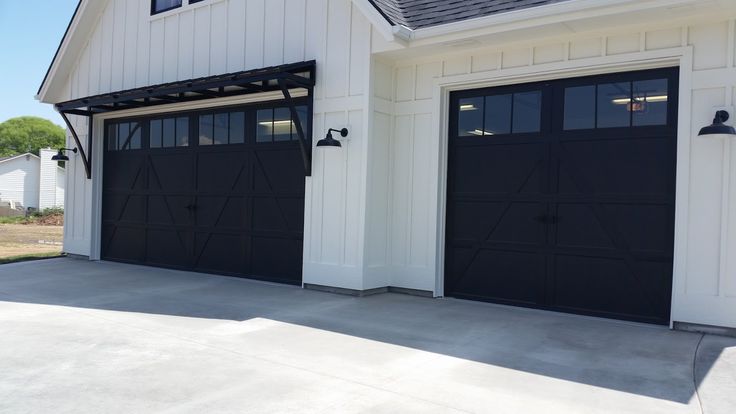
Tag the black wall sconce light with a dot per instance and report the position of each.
(718, 127)
(60, 156)
(332, 142)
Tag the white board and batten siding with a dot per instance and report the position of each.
(406, 95)
(129, 48)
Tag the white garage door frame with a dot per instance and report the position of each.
(681, 57)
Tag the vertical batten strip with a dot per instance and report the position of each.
(726, 182)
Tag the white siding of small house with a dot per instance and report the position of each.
(51, 177)
(19, 179)
(406, 96)
(129, 48)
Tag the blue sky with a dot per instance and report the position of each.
(30, 32)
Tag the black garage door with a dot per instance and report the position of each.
(217, 191)
(561, 195)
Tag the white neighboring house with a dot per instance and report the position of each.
(32, 181)
(532, 153)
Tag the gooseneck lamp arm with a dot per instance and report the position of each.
(60, 156)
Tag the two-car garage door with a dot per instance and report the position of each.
(218, 191)
(561, 195)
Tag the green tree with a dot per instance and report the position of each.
(29, 134)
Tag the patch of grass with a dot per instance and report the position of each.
(46, 217)
(14, 220)
(30, 257)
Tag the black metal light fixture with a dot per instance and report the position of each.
(60, 156)
(718, 127)
(332, 142)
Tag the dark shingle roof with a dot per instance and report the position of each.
(416, 14)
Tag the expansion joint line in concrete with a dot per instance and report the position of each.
(695, 378)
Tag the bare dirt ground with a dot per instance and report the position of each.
(29, 239)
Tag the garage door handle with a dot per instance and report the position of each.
(547, 219)
(544, 219)
(191, 207)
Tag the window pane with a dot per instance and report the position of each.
(580, 107)
(169, 135)
(182, 132)
(302, 111)
(123, 136)
(470, 118)
(136, 134)
(527, 112)
(112, 137)
(155, 134)
(614, 100)
(237, 127)
(162, 5)
(498, 115)
(650, 102)
(282, 124)
(264, 128)
(205, 129)
(221, 128)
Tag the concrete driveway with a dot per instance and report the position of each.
(77, 336)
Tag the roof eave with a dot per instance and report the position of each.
(525, 18)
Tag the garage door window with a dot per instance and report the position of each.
(169, 132)
(222, 128)
(275, 125)
(527, 111)
(616, 105)
(649, 104)
(517, 113)
(124, 136)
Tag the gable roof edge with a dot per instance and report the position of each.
(377, 18)
(85, 15)
(15, 157)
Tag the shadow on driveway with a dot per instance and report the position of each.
(644, 360)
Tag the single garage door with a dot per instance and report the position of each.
(561, 195)
(218, 191)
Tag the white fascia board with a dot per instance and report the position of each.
(402, 32)
(376, 19)
(538, 16)
(71, 46)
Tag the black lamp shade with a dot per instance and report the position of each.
(329, 141)
(718, 127)
(60, 156)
